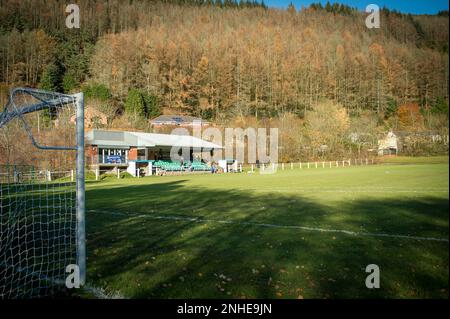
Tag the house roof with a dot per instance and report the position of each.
(139, 139)
(176, 120)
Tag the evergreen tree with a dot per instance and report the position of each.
(291, 8)
(51, 78)
(439, 106)
(335, 7)
(391, 107)
(263, 4)
(134, 105)
(69, 82)
(151, 105)
(422, 39)
(97, 91)
(50, 81)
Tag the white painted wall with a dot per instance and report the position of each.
(132, 168)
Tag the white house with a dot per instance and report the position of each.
(388, 145)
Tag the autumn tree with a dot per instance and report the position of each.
(409, 116)
(327, 127)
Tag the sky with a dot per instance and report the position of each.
(405, 6)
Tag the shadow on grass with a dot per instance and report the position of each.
(159, 258)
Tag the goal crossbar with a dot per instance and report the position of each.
(8, 115)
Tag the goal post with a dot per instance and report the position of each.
(42, 205)
(80, 191)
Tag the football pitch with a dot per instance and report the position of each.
(301, 233)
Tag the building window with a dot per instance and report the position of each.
(112, 156)
(142, 154)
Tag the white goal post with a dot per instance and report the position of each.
(42, 193)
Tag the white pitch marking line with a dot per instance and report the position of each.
(347, 191)
(323, 230)
(356, 189)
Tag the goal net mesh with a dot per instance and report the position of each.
(37, 193)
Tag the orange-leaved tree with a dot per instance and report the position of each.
(409, 116)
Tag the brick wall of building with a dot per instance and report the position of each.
(132, 154)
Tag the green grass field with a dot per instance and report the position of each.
(268, 236)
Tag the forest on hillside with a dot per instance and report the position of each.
(238, 63)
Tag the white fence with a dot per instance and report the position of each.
(97, 174)
(309, 165)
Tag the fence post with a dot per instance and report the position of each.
(263, 166)
(300, 164)
(273, 166)
(292, 165)
(252, 168)
(240, 168)
(308, 164)
(315, 164)
(118, 173)
(282, 166)
(323, 164)
(15, 174)
(71, 175)
(49, 176)
(337, 164)
(97, 174)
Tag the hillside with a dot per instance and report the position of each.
(225, 61)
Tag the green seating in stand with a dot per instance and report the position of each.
(168, 165)
(175, 166)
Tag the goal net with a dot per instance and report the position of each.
(41, 192)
